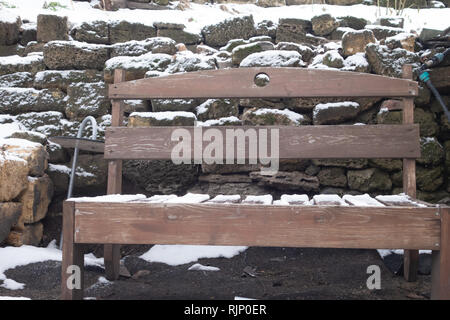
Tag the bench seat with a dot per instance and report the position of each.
(391, 221)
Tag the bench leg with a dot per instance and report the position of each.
(440, 272)
(111, 253)
(410, 265)
(72, 268)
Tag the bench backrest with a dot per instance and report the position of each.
(313, 142)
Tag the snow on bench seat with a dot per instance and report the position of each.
(363, 200)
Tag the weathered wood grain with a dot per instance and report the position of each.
(284, 83)
(81, 143)
(411, 257)
(440, 275)
(257, 225)
(306, 142)
(72, 255)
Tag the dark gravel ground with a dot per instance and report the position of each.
(259, 273)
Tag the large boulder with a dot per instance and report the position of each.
(404, 40)
(180, 36)
(186, 61)
(33, 153)
(306, 52)
(50, 123)
(324, 24)
(30, 234)
(269, 117)
(137, 48)
(369, 180)
(174, 105)
(52, 27)
(87, 99)
(381, 32)
(12, 64)
(92, 32)
(167, 118)
(36, 198)
(217, 108)
(432, 152)
(273, 58)
(18, 79)
(240, 52)
(333, 113)
(297, 31)
(61, 79)
(123, 31)
(333, 59)
(9, 215)
(68, 55)
(356, 41)
(13, 175)
(9, 29)
(287, 181)
(19, 100)
(217, 35)
(389, 62)
(333, 177)
(136, 67)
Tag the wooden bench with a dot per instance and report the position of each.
(394, 225)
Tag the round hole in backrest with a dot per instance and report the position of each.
(261, 79)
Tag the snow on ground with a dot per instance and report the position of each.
(175, 255)
(200, 267)
(13, 298)
(200, 15)
(12, 257)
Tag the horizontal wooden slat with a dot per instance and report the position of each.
(307, 142)
(257, 225)
(284, 83)
(81, 143)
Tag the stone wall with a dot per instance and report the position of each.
(53, 74)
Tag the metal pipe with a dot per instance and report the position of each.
(75, 157)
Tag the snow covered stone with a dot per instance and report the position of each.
(306, 52)
(352, 22)
(333, 59)
(337, 112)
(381, 32)
(123, 31)
(18, 79)
(92, 32)
(61, 79)
(13, 175)
(19, 100)
(273, 58)
(226, 121)
(174, 104)
(324, 24)
(167, 118)
(432, 152)
(266, 116)
(369, 180)
(396, 22)
(405, 41)
(328, 200)
(36, 198)
(388, 62)
(180, 36)
(9, 28)
(217, 108)
(137, 48)
(356, 41)
(292, 30)
(217, 35)
(206, 50)
(50, 123)
(187, 61)
(87, 99)
(15, 63)
(68, 55)
(356, 62)
(233, 43)
(30, 136)
(242, 51)
(136, 105)
(293, 199)
(28, 33)
(262, 199)
(33, 153)
(223, 59)
(52, 27)
(9, 215)
(136, 67)
(287, 181)
(266, 28)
